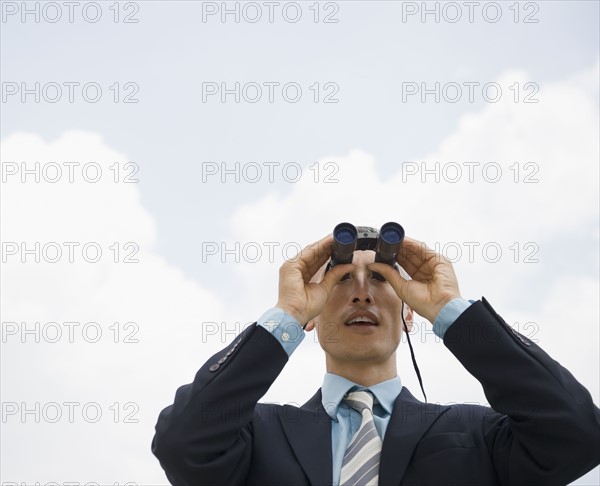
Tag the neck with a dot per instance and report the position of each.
(363, 373)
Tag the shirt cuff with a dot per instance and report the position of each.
(283, 327)
(449, 313)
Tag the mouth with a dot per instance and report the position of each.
(362, 319)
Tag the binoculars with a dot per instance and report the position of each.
(348, 238)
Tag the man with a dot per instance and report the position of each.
(362, 426)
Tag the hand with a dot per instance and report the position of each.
(298, 296)
(433, 282)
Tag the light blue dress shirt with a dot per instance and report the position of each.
(346, 420)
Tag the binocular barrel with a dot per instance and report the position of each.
(345, 237)
(386, 243)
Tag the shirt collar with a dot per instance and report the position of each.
(335, 387)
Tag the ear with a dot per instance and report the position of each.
(408, 317)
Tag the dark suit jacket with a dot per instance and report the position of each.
(543, 427)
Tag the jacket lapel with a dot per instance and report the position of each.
(409, 421)
(308, 430)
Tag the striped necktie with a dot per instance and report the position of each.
(360, 466)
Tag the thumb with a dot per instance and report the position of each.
(391, 274)
(333, 276)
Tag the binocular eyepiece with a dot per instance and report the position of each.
(348, 238)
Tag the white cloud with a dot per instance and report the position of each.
(167, 308)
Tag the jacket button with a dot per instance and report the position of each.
(214, 367)
(222, 360)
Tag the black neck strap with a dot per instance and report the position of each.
(412, 354)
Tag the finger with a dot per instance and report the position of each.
(393, 277)
(314, 256)
(333, 276)
(413, 254)
(410, 267)
(413, 251)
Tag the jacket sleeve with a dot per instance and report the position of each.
(547, 428)
(205, 436)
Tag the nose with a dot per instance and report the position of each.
(362, 289)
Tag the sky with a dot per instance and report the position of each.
(160, 160)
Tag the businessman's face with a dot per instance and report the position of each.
(362, 319)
